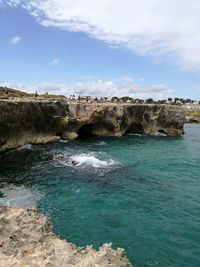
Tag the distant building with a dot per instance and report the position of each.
(85, 98)
(193, 106)
(170, 100)
(139, 101)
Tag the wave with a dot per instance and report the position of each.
(85, 160)
(141, 135)
(24, 147)
(90, 160)
(63, 141)
(19, 196)
(21, 148)
(102, 143)
(134, 134)
(160, 134)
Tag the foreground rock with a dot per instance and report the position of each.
(29, 120)
(26, 239)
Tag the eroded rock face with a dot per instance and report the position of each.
(26, 239)
(192, 116)
(28, 120)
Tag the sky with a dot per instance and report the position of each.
(137, 48)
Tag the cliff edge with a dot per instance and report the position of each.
(192, 116)
(35, 120)
(26, 239)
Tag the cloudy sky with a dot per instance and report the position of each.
(140, 48)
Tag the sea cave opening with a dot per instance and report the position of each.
(85, 131)
(135, 128)
(162, 132)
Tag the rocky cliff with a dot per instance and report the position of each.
(34, 120)
(26, 239)
(192, 116)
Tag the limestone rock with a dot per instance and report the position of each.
(30, 120)
(192, 116)
(26, 240)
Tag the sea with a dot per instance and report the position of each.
(141, 193)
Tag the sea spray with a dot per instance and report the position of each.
(148, 204)
(84, 160)
(19, 196)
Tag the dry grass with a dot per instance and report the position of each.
(9, 92)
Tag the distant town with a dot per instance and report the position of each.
(187, 103)
(127, 99)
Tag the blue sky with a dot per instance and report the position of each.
(86, 48)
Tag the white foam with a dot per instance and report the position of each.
(160, 134)
(27, 146)
(84, 160)
(102, 143)
(63, 141)
(135, 134)
(90, 160)
(19, 196)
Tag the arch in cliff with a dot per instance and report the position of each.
(162, 131)
(135, 128)
(96, 128)
(85, 130)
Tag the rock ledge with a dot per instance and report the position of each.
(34, 121)
(26, 239)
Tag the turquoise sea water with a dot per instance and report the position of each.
(140, 193)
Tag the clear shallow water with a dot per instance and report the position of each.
(140, 193)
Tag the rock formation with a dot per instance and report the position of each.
(26, 239)
(192, 116)
(35, 120)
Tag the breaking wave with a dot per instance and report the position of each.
(90, 160)
(85, 160)
(63, 141)
(160, 134)
(28, 147)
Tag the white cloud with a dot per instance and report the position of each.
(164, 29)
(122, 86)
(54, 62)
(4, 3)
(158, 88)
(15, 40)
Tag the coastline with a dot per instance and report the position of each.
(155, 201)
(27, 240)
(37, 120)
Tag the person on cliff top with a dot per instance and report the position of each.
(6, 90)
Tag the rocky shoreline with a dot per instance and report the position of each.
(26, 239)
(31, 120)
